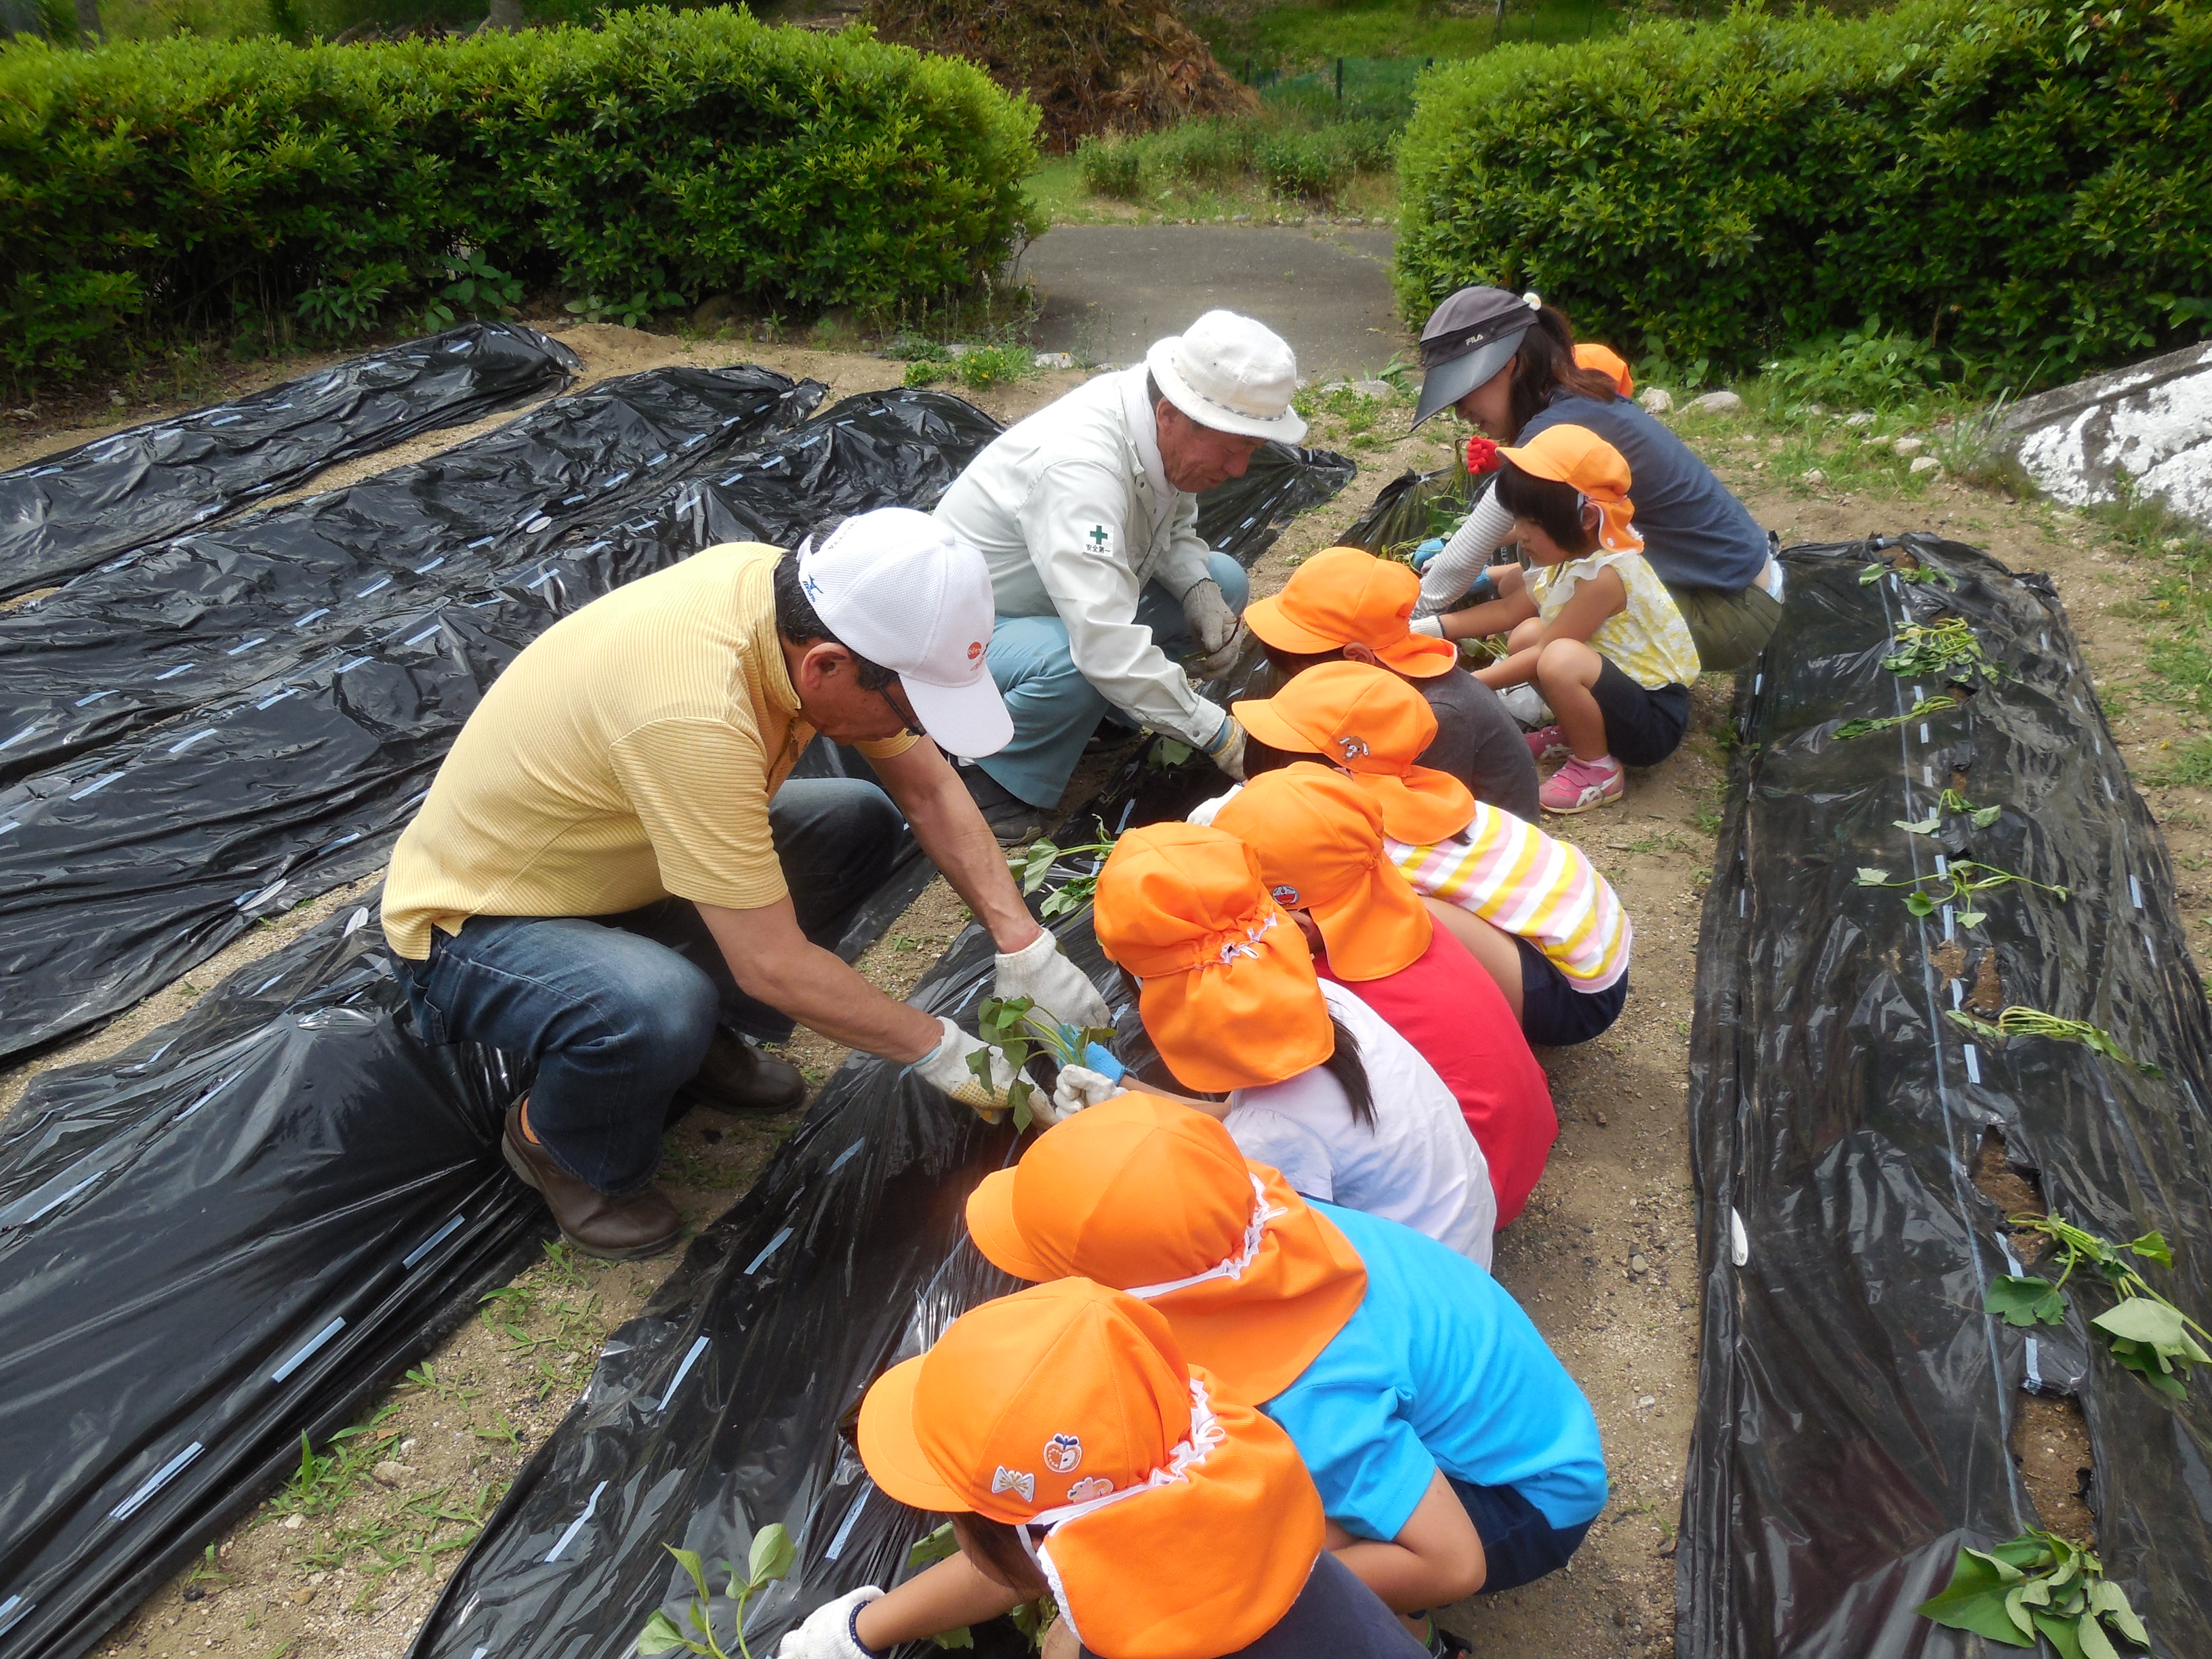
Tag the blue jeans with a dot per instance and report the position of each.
(1055, 708)
(618, 1011)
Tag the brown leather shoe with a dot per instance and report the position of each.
(624, 1229)
(737, 1077)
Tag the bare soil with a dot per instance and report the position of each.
(1604, 1257)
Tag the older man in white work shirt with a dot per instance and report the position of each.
(1086, 514)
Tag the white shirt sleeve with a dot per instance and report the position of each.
(1073, 524)
(1453, 571)
(1185, 564)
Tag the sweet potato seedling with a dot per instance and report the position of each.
(2144, 1332)
(2038, 1586)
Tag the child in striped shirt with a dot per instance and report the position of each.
(1536, 914)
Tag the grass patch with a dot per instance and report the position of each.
(1310, 32)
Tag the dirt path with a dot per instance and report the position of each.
(346, 1558)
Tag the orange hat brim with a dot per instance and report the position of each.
(1266, 619)
(892, 1449)
(1421, 656)
(1259, 717)
(991, 1224)
(1376, 928)
(1424, 806)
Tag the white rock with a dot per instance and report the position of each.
(1372, 390)
(1355, 220)
(1240, 218)
(1925, 464)
(1334, 386)
(1656, 399)
(958, 350)
(1909, 445)
(1863, 417)
(1717, 403)
(294, 1522)
(1878, 442)
(387, 1473)
(1815, 475)
(1055, 360)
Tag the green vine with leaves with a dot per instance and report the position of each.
(1951, 801)
(1961, 880)
(771, 1559)
(1948, 646)
(2019, 1021)
(2144, 1332)
(1013, 1026)
(2037, 1585)
(1033, 865)
(1866, 728)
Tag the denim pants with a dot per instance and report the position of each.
(1055, 708)
(618, 1011)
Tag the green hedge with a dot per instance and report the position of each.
(2031, 188)
(150, 188)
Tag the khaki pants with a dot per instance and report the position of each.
(1730, 629)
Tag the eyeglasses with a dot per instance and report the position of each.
(903, 709)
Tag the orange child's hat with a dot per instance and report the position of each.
(1176, 1525)
(1319, 836)
(1607, 362)
(1576, 455)
(1368, 722)
(1229, 997)
(1153, 1198)
(1346, 596)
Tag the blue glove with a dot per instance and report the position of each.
(1427, 551)
(1097, 1059)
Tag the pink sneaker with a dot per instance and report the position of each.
(1584, 786)
(1548, 743)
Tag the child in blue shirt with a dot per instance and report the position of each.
(1453, 1453)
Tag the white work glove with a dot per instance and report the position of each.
(1214, 625)
(1078, 1088)
(827, 1632)
(1433, 626)
(1227, 749)
(1053, 985)
(946, 1065)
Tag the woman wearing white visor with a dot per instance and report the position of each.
(1505, 363)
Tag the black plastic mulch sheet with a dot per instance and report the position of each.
(1855, 1403)
(69, 512)
(235, 1232)
(226, 1236)
(174, 626)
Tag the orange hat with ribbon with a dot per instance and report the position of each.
(1346, 596)
(1153, 1198)
(1608, 362)
(1230, 998)
(1367, 721)
(1576, 455)
(1319, 836)
(1174, 1525)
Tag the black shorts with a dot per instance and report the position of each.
(1642, 727)
(1518, 1542)
(1553, 1013)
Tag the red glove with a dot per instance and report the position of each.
(1481, 457)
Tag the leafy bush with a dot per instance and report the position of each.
(157, 187)
(2025, 188)
(1111, 166)
(1308, 164)
(1870, 367)
(1213, 152)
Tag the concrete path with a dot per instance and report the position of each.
(1110, 291)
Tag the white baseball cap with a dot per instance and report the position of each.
(1232, 373)
(903, 591)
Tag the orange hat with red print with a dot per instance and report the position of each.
(1367, 721)
(1175, 1524)
(1346, 596)
(1153, 1198)
(1229, 997)
(1319, 836)
(1576, 455)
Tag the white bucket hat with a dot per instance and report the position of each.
(905, 593)
(1232, 374)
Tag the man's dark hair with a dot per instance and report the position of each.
(797, 621)
(1555, 507)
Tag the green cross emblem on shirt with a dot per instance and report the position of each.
(1099, 536)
